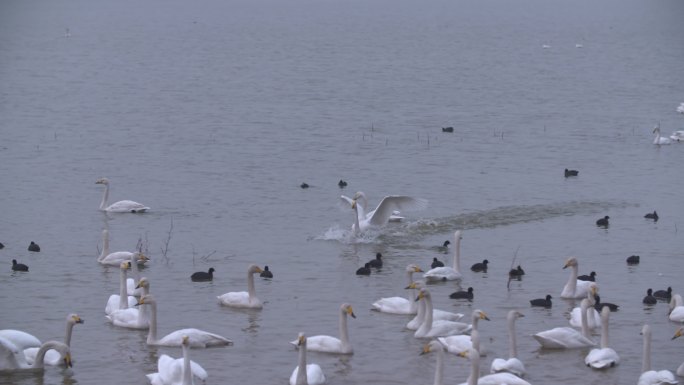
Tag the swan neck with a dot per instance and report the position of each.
(604, 330)
(105, 245)
(40, 356)
(428, 312)
(250, 286)
(584, 308)
(152, 333)
(512, 345)
(439, 368)
(475, 339)
(457, 255)
(646, 353)
(344, 331)
(301, 372)
(187, 370)
(67, 335)
(572, 280)
(123, 290)
(105, 197)
(474, 367)
(413, 306)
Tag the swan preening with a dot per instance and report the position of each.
(243, 299)
(567, 337)
(311, 374)
(330, 344)
(448, 273)
(383, 213)
(197, 338)
(179, 371)
(124, 206)
(490, 379)
(400, 305)
(648, 376)
(460, 343)
(574, 288)
(12, 355)
(605, 356)
(513, 363)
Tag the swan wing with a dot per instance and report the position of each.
(381, 215)
(446, 315)
(314, 374)
(323, 343)
(653, 377)
(113, 303)
(501, 378)
(602, 358)
(21, 340)
(562, 338)
(128, 318)
(127, 206)
(115, 258)
(197, 338)
(11, 357)
(677, 314)
(511, 365)
(456, 344)
(442, 273)
(238, 299)
(442, 328)
(393, 305)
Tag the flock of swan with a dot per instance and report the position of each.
(136, 308)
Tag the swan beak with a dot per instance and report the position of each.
(426, 349)
(417, 270)
(351, 312)
(67, 360)
(420, 296)
(78, 319)
(258, 270)
(353, 204)
(139, 285)
(566, 265)
(484, 316)
(463, 354)
(679, 333)
(301, 340)
(412, 285)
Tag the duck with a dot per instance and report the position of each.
(377, 262)
(201, 276)
(330, 344)
(603, 222)
(400, 305)
(569, 173)
(33, 247)
(480, 266)
(462, 294)
(125, 206)
(365, 270)
(542, 302)
(243, 299)
(266, 273)
(653, 215)
(448, 273)
(663, 294)
(574, 288)
(649, 299)
(605, 356)
(649, 376)
(19, 266)
(588, 277)
(633, 260)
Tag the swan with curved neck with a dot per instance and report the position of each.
(400, 305)
(54, 357)
(438, 328)
(330, 344)
(574, 288)
(605, 356)
(648, 376)
(383, 212)
(436, 346)
(125, 206)
(179, 371)
(566, 337)
(306, 374)
(14, 357)
(122, 300)
(495, 378)
(243, 299)
(448, 273)
(437, 314)
(197, 338)
(461, 343)
(512, 364)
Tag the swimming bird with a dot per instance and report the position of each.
(603, 222)
(437, 314)
(445, 247)
(663, 294)
(53, 357)
(653, 216)
(266, 273)
(122, 300)
(517, 272)
(460, 343)
(436, 328)
(447, 129)
(18, 266)
(598, 305)
(489, 379)
(633, 260)
(438, 348)
(569, 173)
(33, 247)
(462, 294)
(659, 140)
(605, 356)
(306, 374)
(115, 258)
(543, 302)
(649, 376)
(382, 213)
(593, 317)
(679, 333)
(400, 305)
(125, 206)
(676, 309)
(480, 266)
(436, 263)
(197, 338)
(342, 184)
(591, 277)
(179, 371)
(125, 314)
(243, 299)
(201, 276)
(566, 337)
(649, 299)
(365, 270)
(574, 288)
(512, 364)
(304, 185)
(13, 355)
(677, 136)
(448, 273)
(377, 263)
(330, 344)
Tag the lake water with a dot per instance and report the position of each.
(213, 114)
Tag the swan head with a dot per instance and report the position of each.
(656, 128)
(415, 285)
(422, 293)
(457, 235)
(679, 333)
(185, 341)
(301, 339)
(572, 261)
(146, 300)
(103, 181)
(347, 309)
(252, 269)
(125, 265)
(480, 315)
(74, 319)
(514, 314)
(432, 346)
(143, 282)
(413, 269)
(139, 257)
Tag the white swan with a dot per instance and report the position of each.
(400, 305)
(438, 328)
(244, 299)
(490, 379)
(574, 288)
(15, 342)
(448, 273)
(115, 259)
(437, 314)
(566, 337)
(132, 317)
(363, 211)
(679, 333)
(593, 316)
(53, 357)
(659, 140)
(330, 344)
(381, 215)
(461, 343)
(605, 356)
(677, 136)
(438, 348)
(178, 371)
(513, 363)
(12, 357)
(312, 375)
(197, 338)
(676, 308)
(648, 376)
(124, 206)
(122, 300)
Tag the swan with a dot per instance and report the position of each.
(648, 376)
(461, 343)
(198, 338)
(395, 217)
(133, 317)
(437, 314)
(247, 298)
(15, 342)
(490, 379)
(382, 214)
(438, 348)
(593, 316)
(122, 300)
(125, 206)
(513, 363)
(330, 344)
(574, 288)
(179, 371)
(313, 374)
(448, 273)
(53, 357)
(677, 136)
(438, 328)
(12, 356)
(400, 305)
(659, 140)
(603, 357)
(679, 333)
(676, 308)
(115, 258)
(567, 337)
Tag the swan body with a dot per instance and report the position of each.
(460, 343)
(490, 379)
(592, 315)
(676, 308)
(381, 215)
(400, 305)
(677, 136)
(574, 288)
(513, 363)
(12, 356)
(648, 376)
(54, 357)
(660, 140)
(605, 356)
(330, 344)
(124, 206)
(243, 299)
(448, 273)
(311, 374)
(430, 328)
(437, 314)
(132, 317)
(196, 338)
(567, 337)
(14, 344)
(122, 300)
(179, 371)
(438, 348)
